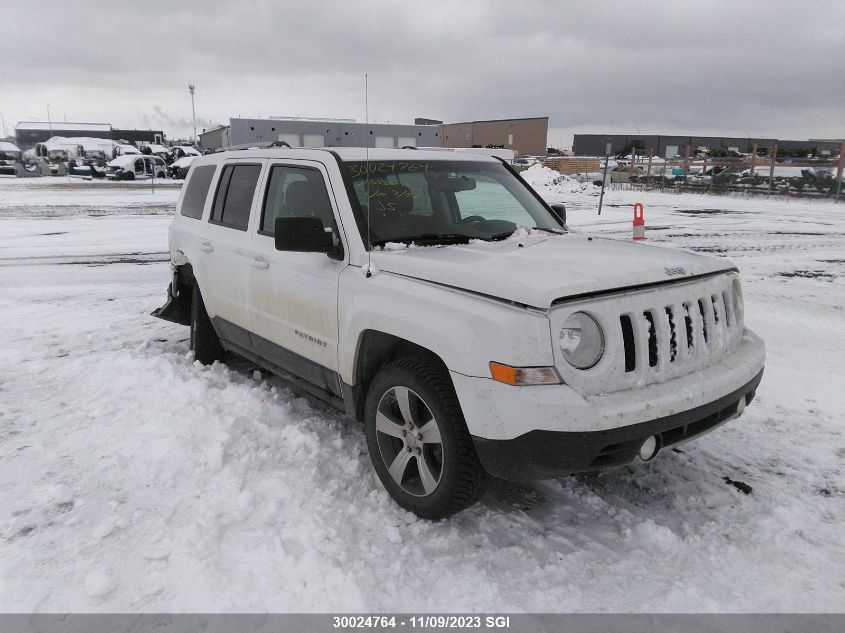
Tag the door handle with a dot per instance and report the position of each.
(207, 247)
(259, 262)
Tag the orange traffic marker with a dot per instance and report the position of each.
(639, 222)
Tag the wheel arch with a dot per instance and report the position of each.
(374, 349)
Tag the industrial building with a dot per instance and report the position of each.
(138, 137)
(669, 146)
(526, 136)
(298, 132)
(216, 137)
(29, 133)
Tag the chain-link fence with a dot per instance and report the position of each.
(757, 173)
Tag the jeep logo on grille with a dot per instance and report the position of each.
(673, 271)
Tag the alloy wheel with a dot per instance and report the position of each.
(409, 441)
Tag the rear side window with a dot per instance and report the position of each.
(233, 200)
(197, 191)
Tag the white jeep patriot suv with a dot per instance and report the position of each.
(437, 298)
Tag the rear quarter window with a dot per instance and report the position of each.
(233, 200)
(196, 191)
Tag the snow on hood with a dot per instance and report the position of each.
(123, 161)
(185, 161)
(538, 269)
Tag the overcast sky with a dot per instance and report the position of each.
(727, 68)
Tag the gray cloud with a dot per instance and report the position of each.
(760, 68)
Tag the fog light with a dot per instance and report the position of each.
(650, 448)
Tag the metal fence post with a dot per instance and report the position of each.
(772, 170)
(650, 156)
(604, 177)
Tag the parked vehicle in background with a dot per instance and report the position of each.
(7, 167)
(155, 149)
(179, 168)
(180, 151)
(136, 167)
(125, 149)
(10, 151)
(60, 148)
(509, 347)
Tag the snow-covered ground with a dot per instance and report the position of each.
(132, 479)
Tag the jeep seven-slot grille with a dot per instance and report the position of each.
(691, 329)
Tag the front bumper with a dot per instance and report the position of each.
(546, 454)
(524, 433)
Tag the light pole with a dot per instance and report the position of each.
(193, 111)
(3, 121)
(49, 121)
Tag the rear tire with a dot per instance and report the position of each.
(433, 471)
(204, 340)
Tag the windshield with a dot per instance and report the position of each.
(441, 201)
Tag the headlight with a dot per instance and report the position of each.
(739, 307)
(581, 340)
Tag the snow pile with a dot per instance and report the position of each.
(520, 234)
(396, 246)
(553, 185)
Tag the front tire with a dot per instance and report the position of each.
(204, 340)
(418, 441)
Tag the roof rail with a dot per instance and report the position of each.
(260, 145)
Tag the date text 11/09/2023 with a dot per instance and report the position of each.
(421, 622)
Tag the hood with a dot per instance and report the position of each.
(546, 268)
(185, 161)
(122, 161)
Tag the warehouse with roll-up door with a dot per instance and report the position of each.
(330, 133)
(669, 146)
(526, 136)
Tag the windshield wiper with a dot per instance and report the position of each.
(442, 238)
(555, 231)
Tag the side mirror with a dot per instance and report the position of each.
(303, 234)
(560, 213)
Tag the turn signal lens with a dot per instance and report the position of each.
(523, 376)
